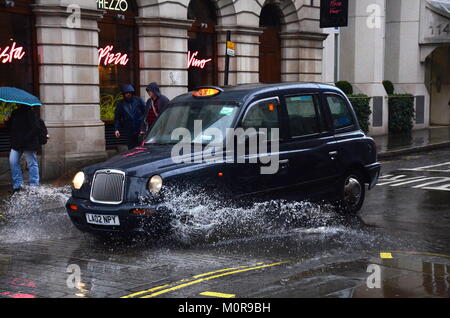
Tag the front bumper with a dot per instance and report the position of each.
(372, 174)
(157, 221)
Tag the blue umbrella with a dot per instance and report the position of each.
(15, 95)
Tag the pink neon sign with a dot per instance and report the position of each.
(10, 53)
(194, 62)
(106, 57)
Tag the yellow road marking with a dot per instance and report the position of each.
(218, 295)
(421, 253)
(146, 291)
(201, 280)
(220, 271)
(386, 255)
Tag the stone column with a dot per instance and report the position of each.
(244, 67)
(403, 61)
(163, 47)
(301, 56)
(69, 86)
(363, 55)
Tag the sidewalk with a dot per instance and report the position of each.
(419, 140)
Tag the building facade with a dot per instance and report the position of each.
(79, 52)
(404, 41)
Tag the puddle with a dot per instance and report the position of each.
(201, 220)
(35, 213)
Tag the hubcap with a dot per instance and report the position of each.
(352, 191)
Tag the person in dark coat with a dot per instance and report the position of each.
(23, 127)
(156, 104)
(129, 116)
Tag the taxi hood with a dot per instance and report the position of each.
(141, 161)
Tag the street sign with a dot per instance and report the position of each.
(231, 48)
(333, 13)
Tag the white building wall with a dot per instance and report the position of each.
(403, 66)
(329, 62)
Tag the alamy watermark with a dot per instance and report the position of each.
(74, 19)
(238, 146)
(374, 279)
(74, 278)
(374, 19)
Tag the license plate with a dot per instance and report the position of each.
(100, 219)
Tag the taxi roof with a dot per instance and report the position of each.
(241, 93)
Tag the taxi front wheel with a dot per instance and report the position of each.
(352, 192)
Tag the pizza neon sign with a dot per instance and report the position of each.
(192, 60)
(106, 57)
(10, 53)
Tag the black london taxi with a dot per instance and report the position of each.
(307, 133)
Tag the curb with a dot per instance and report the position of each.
(411, 150)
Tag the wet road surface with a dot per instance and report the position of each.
(397, 246)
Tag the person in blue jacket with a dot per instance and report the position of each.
(129, 115)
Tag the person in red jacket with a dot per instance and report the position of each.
(156, 104)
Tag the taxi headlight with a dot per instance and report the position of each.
(155, 184)
(78, 180)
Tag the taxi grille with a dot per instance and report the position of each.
(108, 187)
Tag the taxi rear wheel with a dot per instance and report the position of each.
(352, 192)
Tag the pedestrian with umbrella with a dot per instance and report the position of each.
(24, 128)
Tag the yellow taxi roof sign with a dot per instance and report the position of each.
(206, 91)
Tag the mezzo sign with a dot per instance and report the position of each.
(114, 5)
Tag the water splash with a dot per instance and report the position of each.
(35, 213)
(198, 217)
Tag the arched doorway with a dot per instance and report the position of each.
(438, 83)
(118, 63)
(202, 44)
(270, 44)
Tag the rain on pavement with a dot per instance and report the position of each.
(397, 246)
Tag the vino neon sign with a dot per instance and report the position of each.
(192, 61)
(10, 53)
(106, 57)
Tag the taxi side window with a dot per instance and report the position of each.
(303, 117)
(263, 114)
(339, 111)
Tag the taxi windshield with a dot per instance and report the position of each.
(193, 120)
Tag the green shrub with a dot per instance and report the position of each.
(361, 105)
(108, 104)
(345, 86)
(5, 110)
(389, 87)
(401, 113)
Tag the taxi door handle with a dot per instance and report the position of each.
(284, 163)
(333, 154)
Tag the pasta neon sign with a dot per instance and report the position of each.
(106, 58)
(10, 53)
(194, 62)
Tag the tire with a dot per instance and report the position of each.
(352, 192)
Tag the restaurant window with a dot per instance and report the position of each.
(202, 44)
(17, 58)
(118, 62)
